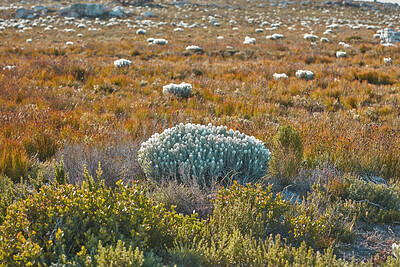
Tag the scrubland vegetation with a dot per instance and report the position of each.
(76, 188)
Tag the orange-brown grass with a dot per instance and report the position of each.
(347, 115)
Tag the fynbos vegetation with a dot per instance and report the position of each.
(192, 133)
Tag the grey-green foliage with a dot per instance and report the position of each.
(205, 152)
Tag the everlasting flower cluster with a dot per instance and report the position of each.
(182, 90)
(205, 151)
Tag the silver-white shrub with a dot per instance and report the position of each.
(387, 60)
(280, 76)
(193, 48)
(310, 37)
(160, 41)
(120, 63)
(249, 40)
(305, 74)
(340, 54)
(205, 152)
(141, 31)
(182, 90)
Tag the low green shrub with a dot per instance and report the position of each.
(10, 192)
(319, 221)
(119, 256)
(206, 152)
(237, 249)
(287, 156)
(379, 202)
(68, 222)
(250, 209)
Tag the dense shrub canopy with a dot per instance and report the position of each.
(206, 152)
(62, 222)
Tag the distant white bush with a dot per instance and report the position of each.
(182, 90)
(340, 54)
(305, 74)
(310, 37)
(120, 63)
(8, 67)
(387, 60)
(141, 31)
(193, 48)
(324, 40)
(259, 30)
(69, 43)
(344, 45)
(249, 40)
(160, 41)
(279, 76)
(275, 36)
(333, 26)
(206, 152)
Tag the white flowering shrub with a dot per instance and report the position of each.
(310, 37)
(344, 45)
(279, 76)
(324, 40)
(275, 36)
(205, 152)
(340, 54)
(305, 74)
(249, 40)
(141, 31)
(193, 48)
(120, 63)
(182, 90)
(387, 60)
(160, 41)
